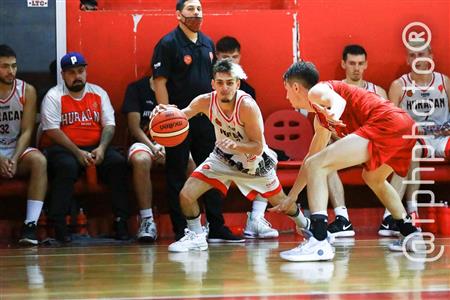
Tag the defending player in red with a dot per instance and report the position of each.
(371, 132)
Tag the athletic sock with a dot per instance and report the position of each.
(299, 218)
(34, 208)
(194, 224)
(341, 211)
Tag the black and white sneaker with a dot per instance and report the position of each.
(389, 227)
(147, 231)
(341, 227)
(224, 235)
(29, 235)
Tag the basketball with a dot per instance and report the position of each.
(169, 127)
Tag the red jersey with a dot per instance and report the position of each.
(361, 108)
(82, 120)
(378, 120)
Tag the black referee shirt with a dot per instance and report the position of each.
(186, 65)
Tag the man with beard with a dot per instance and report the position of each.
(182, 63)
(241, 154)
(78, 118)
(17, 119)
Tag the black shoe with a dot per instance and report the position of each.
(389, 227)
(179, 235)
(61, 233)
(341, 227)
(29, 235)
(224, 235)
(121, 229)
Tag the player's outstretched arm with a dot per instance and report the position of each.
(319, 142)
(199, 105)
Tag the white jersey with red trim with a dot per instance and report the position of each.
(231, 127)
(426, 104)
(11, 110)
(370, 87)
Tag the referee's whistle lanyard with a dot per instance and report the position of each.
(193, 23)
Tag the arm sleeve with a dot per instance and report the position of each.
(107, 111)
(161, 62)
(51, 111)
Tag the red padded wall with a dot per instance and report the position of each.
(117, 55)
(327, 26)
(207, 4)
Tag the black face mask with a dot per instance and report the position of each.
(193, 23)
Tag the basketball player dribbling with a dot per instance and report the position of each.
(370, 130)
(241, 154)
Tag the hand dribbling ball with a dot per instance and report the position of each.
(169, 127)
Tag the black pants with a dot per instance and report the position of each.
(200, 143)
(65, 169)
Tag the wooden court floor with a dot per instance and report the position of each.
(363, 268)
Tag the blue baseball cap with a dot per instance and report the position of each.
(72, 60)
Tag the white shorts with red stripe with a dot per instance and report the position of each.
(138, 147)
(439, 145)
(220, 175)
(9, 152)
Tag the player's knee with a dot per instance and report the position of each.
(39, 162)
(186, 196)
(312, 164)
(370, 179)
(141, 161)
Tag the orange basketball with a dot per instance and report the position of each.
(169, 127)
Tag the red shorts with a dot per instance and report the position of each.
(386, 142)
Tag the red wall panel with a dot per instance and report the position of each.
(117, 55)
(207, 4)
(327, 26)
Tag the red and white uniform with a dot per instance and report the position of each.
(11, 110)
(378, 120)
(81, 119)
(253, 174)
(369, 86)
(428, 104)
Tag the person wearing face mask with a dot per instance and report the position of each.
(78, 120)
(182, 69)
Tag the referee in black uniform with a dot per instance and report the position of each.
(182, 69)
